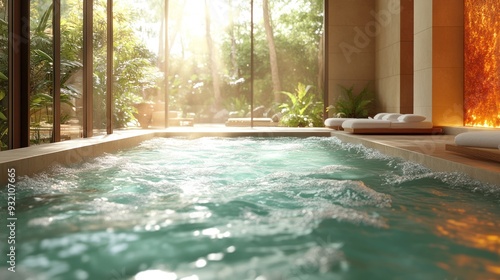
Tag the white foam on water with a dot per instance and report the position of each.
(360, 149)
(322, 259)
(308, 261)
(350, 193)
(325, 261)
(408, 172)
(334, 169)
(296, 204)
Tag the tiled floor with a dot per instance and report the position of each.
(428, 150)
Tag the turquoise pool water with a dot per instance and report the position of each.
(253, 208)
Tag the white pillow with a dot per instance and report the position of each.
(379, 116)
(335, 122)
(411, 118)
(391, 117)
(481, 139)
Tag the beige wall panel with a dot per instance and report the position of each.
(389, 94)
(349, 40)
(389, 61)
(350, 12)
(361, 67)
(389, 22)
(422, 15)
(423, 88)
(423, 50)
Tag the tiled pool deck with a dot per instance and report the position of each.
(428, 150)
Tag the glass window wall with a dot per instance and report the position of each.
(71, 69)
(225, 60)
(211, 75)
(41, 72)
(4, 75)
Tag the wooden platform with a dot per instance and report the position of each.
(397, 131)
(335, 127)
(482, 153)
(243, 122)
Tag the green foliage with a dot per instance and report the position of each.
(41, 76)
(297, 26)
(302, 109)
(351, 105)
(297, 36)
(237, 106)
(136, 76)
(297, 29)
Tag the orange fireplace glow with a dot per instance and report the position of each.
(482, 63)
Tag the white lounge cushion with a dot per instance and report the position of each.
(366, 123)
(379, 116)
(481, 139)
(335, 122)
(391, 117)
(372, 123)
(411, 118)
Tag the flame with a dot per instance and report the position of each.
(481, 63)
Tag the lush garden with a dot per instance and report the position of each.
(209, 60)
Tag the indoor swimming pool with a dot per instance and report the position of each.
(253, 208)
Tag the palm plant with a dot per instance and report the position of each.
(351, 105)
(42, 61)
(302, 110)
(41, 73)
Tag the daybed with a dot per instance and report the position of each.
(336, 123)
(391, 123)
(247, 122)
(480, 144)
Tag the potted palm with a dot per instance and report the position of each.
(351, 105)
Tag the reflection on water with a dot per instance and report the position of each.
(470, 230)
